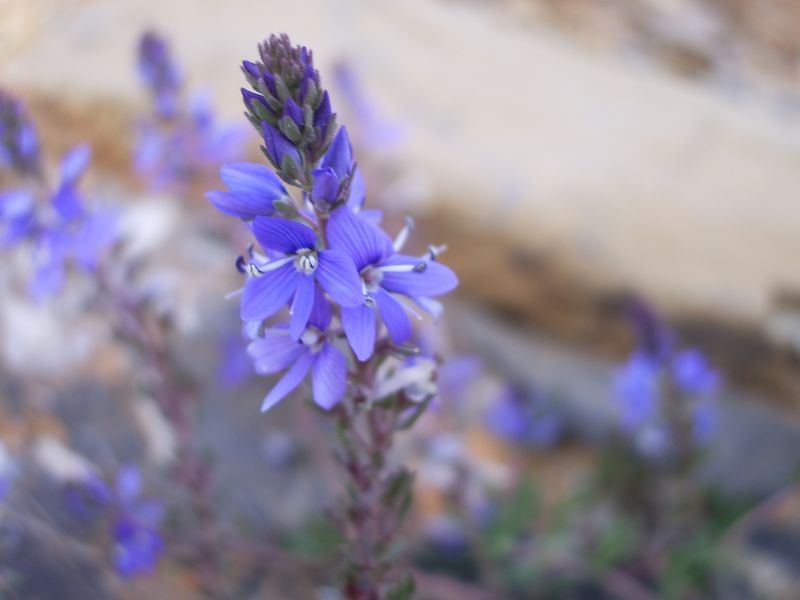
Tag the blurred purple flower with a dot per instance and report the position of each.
(137, 542)
(17, 216)
(374, 131)
(19, 143)
(74, 234)
(693, 373)
(523, 419)
(637, 390)
(234, 367)
(159, 73)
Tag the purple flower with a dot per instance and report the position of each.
(19, 143)
(375, 131)
(17, 216)
(76, 234)
(137, 542)
(295, 274)
(252, 190)
(278, 350)
(693, 374)
(234, 367)
(335, 170)
(637, 389)
(159, 73)
(523, 419)
(68, 201)
(383, 273)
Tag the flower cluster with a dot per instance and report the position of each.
(57, 223)
(182, 139)
(322, 257)
(666, 395)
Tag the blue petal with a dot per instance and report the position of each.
(321, 311)
(301, 306)
(329, 376)
(394, 316)
(359, 326)
(283, 235)
(434, 280)
(274, 352)
(255, 184)
(289, 381)
(74, 163)
(358, 192)
(326, 186)
(362, 241)
(294, 112)
(339, 156)
(251, 179)
(279, 146)
(264, 296)
(235, 206)
(337, 274)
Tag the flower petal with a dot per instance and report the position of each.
(264, 296)
(253, 189)
(337, 274)
(339, 156)
(434, 280)
(321, 311)
(358, 192)
(301, 306)
(283, 235)
(329, 376)
(362, 241)
(359, 326)
(274, 352)
(289, 381)
(394, 317)
(74, 163)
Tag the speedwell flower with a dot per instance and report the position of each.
(383, 273)
(295, 274)
(278, 350)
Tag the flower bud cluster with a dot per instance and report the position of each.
(288, 107)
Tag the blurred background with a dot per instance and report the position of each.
(609, 177)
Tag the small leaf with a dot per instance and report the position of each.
(403, 589)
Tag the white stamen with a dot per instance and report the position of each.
(233, 294)
(257, 270)
(435, 251)
(306, 262)
(401, 268)
(402, 237)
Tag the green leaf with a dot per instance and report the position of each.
(403, 589)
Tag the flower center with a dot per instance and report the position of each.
(306, 261)
(313, 339)
(372, 278)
